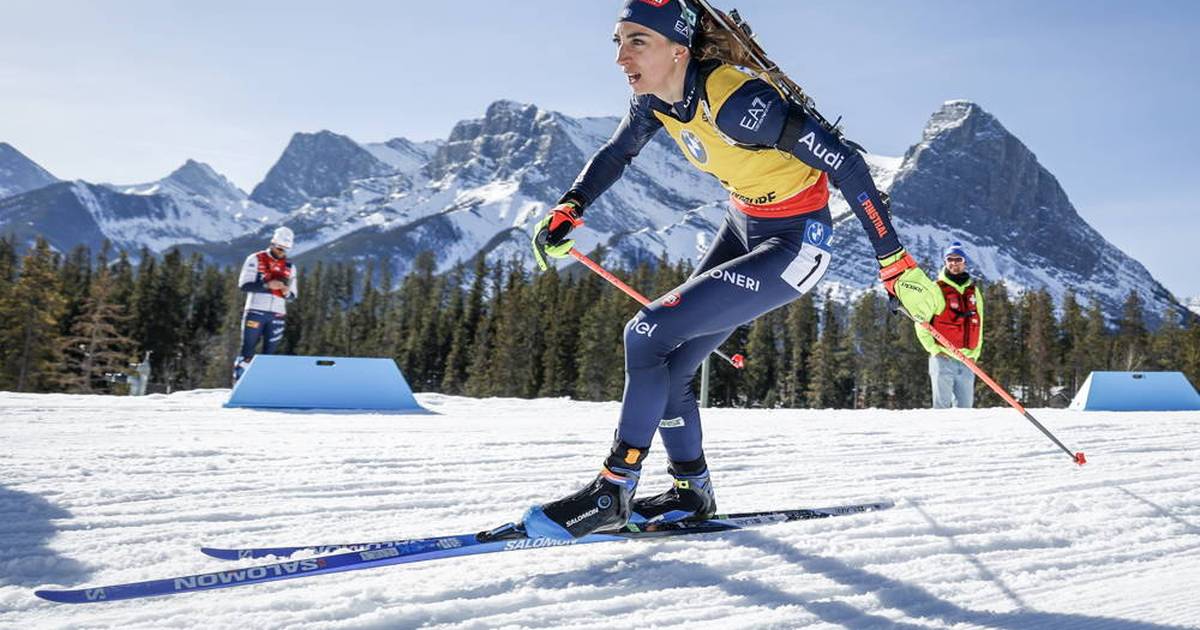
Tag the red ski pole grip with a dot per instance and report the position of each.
(1080, 459)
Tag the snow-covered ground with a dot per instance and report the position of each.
(993, 528)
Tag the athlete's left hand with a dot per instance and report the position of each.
(550, 234)
(919, 295)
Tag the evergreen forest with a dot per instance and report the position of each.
(68, 320)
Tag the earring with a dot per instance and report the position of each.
(677, 60)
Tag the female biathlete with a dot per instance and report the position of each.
(773, 246)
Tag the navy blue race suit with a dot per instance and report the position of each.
(772, 247)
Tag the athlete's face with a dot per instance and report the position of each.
(956, 264)
(652, 63)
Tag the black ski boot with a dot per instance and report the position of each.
(603, 504)
(690, 497)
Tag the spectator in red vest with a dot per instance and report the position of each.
(961, 321)
(269, 280)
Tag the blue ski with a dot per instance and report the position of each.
(721, 522)
(505, 538)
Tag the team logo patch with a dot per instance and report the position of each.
(695, 148)
(670, 423)
(672, 300)
(250, 323)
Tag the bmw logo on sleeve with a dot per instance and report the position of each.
(818, 234)
(694, 146)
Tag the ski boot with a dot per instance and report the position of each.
(690, 497)
(239, 367)
(603, 504)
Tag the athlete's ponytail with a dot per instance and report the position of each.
(714, 42)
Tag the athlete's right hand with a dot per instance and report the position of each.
(550, 234)
(919, 295)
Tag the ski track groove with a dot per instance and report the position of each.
(993, 527)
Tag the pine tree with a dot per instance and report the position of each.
(601, 372)
(762, 362)
(516, 352)
(221, 350)
(123, 290)
(1097, 339)
(9, 262)
(1040, 346)
(801, 330)
(74, 276)
(29, 316)
(556, 302)
(907, 368)
(1130, 348)
(1003, 357)
(868, 335)
(1189, 361)
(1167, 344)
(1072, 347)
(463, 340)
(480, 380)
(831, 364)
(95, 347)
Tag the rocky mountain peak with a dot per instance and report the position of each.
(20, 174)
(316, 165)
(200, 178)
(507, 140)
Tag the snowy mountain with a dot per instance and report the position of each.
(1193, 304)
(316, 165)
(194, 204)
(206, 207)
(20, 174)
(971, 180)
(480, 190)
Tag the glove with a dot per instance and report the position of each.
(550, 234)
(902, 278)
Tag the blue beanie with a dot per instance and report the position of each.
(674, 19)
(956, 249)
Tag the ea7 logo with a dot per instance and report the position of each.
(95, 594)
(755, 114)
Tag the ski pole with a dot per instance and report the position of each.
(737, 360)
(1076, 456)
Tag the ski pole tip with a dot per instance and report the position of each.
(1080, 459)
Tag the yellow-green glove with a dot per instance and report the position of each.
(550, 234)
(919, 295)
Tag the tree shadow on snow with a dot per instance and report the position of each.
(26, 528)
(1162, 511)
(919, 603)
(614, 586)
(980, 567)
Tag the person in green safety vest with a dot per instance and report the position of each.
(961, 322)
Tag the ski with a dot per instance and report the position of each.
(505, 538)
(420, 545)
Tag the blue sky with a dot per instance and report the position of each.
(1104, 92)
